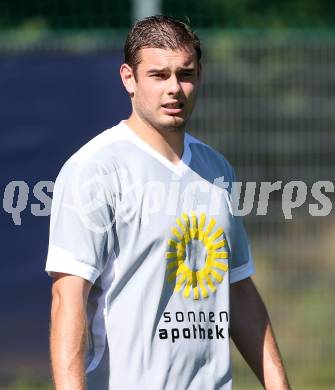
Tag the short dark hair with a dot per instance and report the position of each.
(159, 31)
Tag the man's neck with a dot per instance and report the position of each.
(170, 144)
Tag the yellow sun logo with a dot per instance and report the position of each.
(196, 256)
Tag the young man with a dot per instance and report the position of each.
(146, 254)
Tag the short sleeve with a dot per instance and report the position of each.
(242, 264)
(81, 226)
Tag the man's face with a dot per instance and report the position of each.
(166, 86)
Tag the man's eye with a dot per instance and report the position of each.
(158, 75)
(187, 74)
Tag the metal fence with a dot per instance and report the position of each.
(267, 103)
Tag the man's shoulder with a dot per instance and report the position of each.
(100, 145)
(207, 154)
(94, 157)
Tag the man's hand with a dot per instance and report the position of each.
(252, 333)
(68, 331)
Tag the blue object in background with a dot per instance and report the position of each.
(50, 105)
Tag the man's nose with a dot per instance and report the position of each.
(173, 85)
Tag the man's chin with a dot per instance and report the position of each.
(173, 123)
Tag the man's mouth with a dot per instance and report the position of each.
(173, 108)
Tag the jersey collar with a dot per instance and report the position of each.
(180, 168)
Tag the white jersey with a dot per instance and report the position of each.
(161, 245)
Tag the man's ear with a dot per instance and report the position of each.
(128, 78)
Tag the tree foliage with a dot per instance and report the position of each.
(82, 14)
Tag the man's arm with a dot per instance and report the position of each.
(68, 331)
(252, 333)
